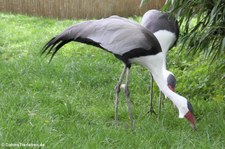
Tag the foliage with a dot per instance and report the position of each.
(202, 80)
(203, 25)
(70, 102)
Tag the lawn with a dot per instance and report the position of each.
(69, 103)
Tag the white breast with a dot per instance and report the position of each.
(166, 39)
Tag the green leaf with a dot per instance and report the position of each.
(223, 44)
(202, 23)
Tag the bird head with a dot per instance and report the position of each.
(190, 116)
(187, 112)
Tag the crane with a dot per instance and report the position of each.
(166, 30)
(131, 43)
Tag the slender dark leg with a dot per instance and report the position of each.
(151, 110)
(117, 90)
(160, 101)
(127, 94)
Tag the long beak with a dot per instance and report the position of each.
(190, 117)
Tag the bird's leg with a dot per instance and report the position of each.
(127, 94)
(160, 101)
(151, 110)
(117, 90)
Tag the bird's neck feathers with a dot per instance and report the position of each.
(179, 101)
(166, 39)
(155, 65)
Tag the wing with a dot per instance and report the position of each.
(114, 34)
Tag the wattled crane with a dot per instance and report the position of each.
(132, 44)
(166, 30)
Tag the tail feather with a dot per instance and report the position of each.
(57, 42)
(54, 45)
(47, 46)
(59, 45)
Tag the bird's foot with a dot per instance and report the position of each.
(151, 111)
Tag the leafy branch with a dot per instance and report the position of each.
(202, 25)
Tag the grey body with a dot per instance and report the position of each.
(120, 36)
(123, 38)
(130, 43)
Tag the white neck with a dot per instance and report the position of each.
(154, 64)
(179, 101)
(166, 39)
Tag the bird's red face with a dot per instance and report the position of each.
(190, 116)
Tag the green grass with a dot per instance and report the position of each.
(69, 103)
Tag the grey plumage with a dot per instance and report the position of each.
(123, 38)
(117, 35)
(129, 42)
(160, 21)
